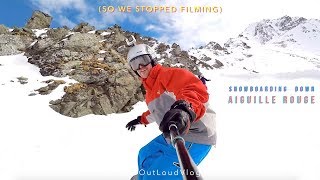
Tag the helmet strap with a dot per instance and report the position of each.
(137, 73)
(153, 63)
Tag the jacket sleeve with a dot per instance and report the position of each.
(144, 119)
(186, 86)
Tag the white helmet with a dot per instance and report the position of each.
(138, 50)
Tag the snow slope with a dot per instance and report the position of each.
(270, 46)
(255, 141)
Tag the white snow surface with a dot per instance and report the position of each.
(39, 32)
(92, 32)
(255, 141)
(105, 33)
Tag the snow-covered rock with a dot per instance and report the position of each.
(285, 44)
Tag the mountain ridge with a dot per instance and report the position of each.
(295, 37)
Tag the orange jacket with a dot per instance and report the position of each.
(166, 85)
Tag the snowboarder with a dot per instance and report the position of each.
(203, 79)
(172, 95)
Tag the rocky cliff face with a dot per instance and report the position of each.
(96, 59)
(14, 41)
(39, 20)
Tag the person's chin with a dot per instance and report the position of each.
(144, 77)
(142, 74)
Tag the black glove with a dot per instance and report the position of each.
(203, 79)
(131, 126)
(180, 114)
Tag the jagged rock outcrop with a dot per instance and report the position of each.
(218, 64)
(176, 50)
(115, 92)
(52, 85)
(213, 46)
(3, 29)
(22, 80)
(236, 43)
(54, 57)
(265, 32)
(39, 20)
(57, 34)
(12, 44)
(83, 27)
(161, 50)
(24, 32)
(96, 60)
(286, 23)
(106, 83)
(176, 57)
